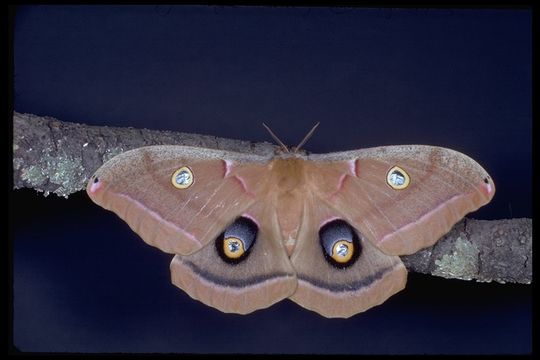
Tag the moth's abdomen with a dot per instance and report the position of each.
(290, 211)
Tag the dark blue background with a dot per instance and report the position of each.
(455, 78)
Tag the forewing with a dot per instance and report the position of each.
(138, 186)
(444, 185)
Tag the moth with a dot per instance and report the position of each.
(324, 230)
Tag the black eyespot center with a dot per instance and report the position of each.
(242, 229)
(96, 179)
(486, 180)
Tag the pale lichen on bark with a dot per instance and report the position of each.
(462, 263)
(496, 250)
(58, 157)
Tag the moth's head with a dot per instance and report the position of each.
(292, 151)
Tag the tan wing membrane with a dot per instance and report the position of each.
(260, 280)
(342, 292)
(442, 187)
(137, 186)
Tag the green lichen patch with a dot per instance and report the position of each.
(34, 176)
(462, 263)
(63, 170)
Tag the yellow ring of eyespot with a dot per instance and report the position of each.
(339, 258)
(182, 186)
(230, 254)
(405, 175)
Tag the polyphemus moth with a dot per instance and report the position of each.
(324, 230)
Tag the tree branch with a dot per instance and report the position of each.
(59, 157)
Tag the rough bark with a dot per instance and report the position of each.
(57, 157)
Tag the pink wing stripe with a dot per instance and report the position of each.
(156, 216)
(424, 217)
(244, 186)
(228, 166)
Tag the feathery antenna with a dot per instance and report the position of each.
(297, 148)
(306, 138)
(274, 136)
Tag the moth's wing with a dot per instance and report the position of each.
(263, 278)
(341, 292)
(191, 221)
(444, 186)
(137, 186)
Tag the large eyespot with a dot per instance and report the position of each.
(235, 243)
(182, 178)
(340, 243)
(397, 178)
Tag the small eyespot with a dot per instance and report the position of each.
(236, 242)
(486, 180)
(340, 243)
(397, 178)
(182, 178)
(233, 247)
(96, 179)
(342, 251)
